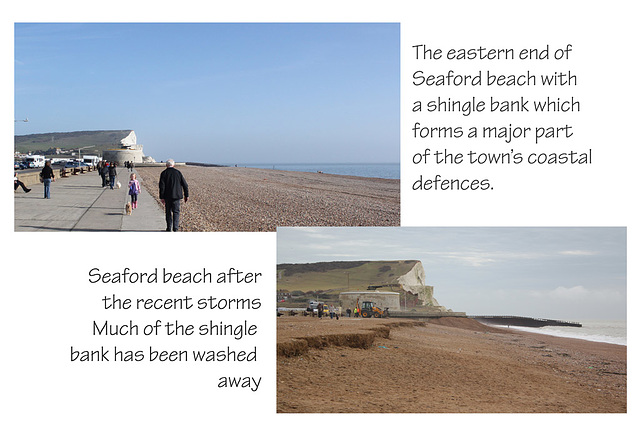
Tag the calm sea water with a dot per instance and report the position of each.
(368, 170)
(609, 331)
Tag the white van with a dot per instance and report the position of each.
(91, 160)
(37, 160)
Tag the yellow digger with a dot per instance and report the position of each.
(367, 309)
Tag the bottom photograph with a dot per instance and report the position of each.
(452, 320)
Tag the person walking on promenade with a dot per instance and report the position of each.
(46, 175)
(17, 183)
(102, 171)
(173, 187)
(113, 173)
(134, 190)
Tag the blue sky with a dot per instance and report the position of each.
(225, 93)
(560, 273)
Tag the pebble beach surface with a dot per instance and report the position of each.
(247, 199)
(447, 365)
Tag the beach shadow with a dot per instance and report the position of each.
(95, 230)
(83, 187)
(37, 227)
(26, 196)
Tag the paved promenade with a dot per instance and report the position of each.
(79, 203)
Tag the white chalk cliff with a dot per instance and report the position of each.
(130, 141)
(414, 282)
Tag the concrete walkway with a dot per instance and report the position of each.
(79, 203)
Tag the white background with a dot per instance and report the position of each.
(530, 195)
(48, 305)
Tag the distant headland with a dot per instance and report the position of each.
(113, 145)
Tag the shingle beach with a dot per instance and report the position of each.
(447, 365)
(247, 199)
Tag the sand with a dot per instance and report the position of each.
(247, 199)
(442, 366)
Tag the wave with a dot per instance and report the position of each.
(612, 332)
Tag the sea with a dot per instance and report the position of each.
(367, 170)
(608, 331)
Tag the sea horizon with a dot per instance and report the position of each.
(366, 170)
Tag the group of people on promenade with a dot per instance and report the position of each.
(108, 173)
(172, 186)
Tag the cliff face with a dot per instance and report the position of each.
(328, 281)
(130, 141)
(414, 282)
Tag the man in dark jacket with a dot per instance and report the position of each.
(173, 187)
(113, 173)
(47, 176)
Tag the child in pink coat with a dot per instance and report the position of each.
(134, 190)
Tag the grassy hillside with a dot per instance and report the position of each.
(340, 276)
(101, 139)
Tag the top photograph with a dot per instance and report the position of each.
(205, 126)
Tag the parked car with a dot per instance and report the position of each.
(75, 165)
(18, 165)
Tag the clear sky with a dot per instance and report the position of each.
(558, 273)
(219, 93)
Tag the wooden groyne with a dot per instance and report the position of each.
(530, 322)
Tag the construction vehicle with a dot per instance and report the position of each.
(367, 309)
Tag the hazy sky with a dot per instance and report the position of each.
(558, 273)
(227, 93)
